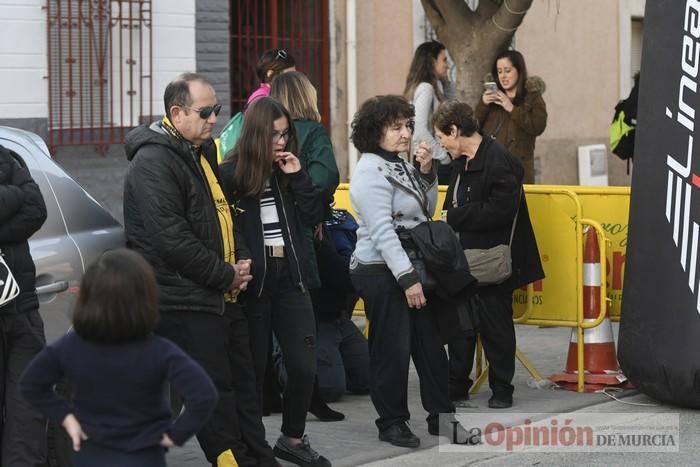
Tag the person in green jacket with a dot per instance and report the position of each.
(296, 93)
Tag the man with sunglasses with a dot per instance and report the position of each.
(177, 217)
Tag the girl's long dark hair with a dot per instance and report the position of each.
(253, 150)
(518, 61)
(422, 69)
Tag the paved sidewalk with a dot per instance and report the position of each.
(354, 442)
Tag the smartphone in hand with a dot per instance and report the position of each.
(490, 86)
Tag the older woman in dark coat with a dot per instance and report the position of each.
(483, 199)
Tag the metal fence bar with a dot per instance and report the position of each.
(98, 90)
(299, 26)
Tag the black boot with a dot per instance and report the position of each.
(321, 410)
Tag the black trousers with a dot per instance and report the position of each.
(495, 325)
(220, 343)
(91, 454)
(23, 428)
(396, 334)
(285, 309)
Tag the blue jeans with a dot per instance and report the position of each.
(343, 359)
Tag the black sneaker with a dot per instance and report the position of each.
(401, 435)
(500, 403)
(300, 454)
(446, 426)
(324, 413)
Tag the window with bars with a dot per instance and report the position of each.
(99, 64)
(298, 26)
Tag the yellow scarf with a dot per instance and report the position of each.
(222, 207)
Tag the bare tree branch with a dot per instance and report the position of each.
(506, 20)
(433, 15)
(455, 13)
(474, 38)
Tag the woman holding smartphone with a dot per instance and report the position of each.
(512, 111)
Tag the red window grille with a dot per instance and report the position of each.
(99, 70)
(298, 26)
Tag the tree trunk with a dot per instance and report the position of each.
(474, 38)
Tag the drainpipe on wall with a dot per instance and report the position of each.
(333, 60)
(351, 54)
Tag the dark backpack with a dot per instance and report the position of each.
(622, 132)
(624, 125)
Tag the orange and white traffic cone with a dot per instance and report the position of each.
(599, 357)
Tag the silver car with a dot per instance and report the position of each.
(77, 231)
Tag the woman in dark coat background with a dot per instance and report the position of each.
(487, 185)
(22, 212)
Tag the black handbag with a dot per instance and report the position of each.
(414, 254)
(427, 281)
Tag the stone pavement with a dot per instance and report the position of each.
(354, 442)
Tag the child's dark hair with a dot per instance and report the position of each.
(118, 299)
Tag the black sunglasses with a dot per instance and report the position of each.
(281, 54)
(205, 112)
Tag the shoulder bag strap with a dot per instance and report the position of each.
(416, 187)
(515, 220)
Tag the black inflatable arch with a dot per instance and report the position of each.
(659, 344)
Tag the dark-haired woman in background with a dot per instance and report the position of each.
(515, 114)
(264, 181)
(425, 83)
(387, 194)
(484, 202)
(270, 64)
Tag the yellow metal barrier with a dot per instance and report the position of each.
(557, 214)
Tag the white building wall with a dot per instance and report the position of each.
(23, 49)
(23, 87)
(174, 44)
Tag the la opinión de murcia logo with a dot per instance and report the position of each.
(680, 177)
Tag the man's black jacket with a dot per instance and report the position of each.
(171, 219)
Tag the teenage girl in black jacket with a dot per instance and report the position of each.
(268, 192)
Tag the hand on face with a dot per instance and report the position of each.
(287, 162)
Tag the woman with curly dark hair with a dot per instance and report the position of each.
(389, 194)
